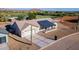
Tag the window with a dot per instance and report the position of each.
(2, 39)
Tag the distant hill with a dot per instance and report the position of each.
(43, 9)
(35, 10)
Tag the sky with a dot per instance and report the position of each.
(56, 5)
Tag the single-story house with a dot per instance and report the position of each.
(3, 39)
(24, 28)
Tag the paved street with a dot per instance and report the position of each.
(70, 42)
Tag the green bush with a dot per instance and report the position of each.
(20, 17)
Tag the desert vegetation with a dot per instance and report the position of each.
(24, 14)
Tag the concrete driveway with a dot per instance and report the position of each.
(40, 40)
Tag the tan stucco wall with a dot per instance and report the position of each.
(27, 30)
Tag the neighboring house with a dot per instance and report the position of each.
(23, 28)
(3, 39)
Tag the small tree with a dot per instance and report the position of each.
(31, 16)
(20, 17)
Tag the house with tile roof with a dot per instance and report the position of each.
(23, 28)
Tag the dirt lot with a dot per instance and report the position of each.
(16, 43)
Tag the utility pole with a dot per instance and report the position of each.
(77, 24)
(31, 34)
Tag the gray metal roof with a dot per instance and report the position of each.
(3, 31)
